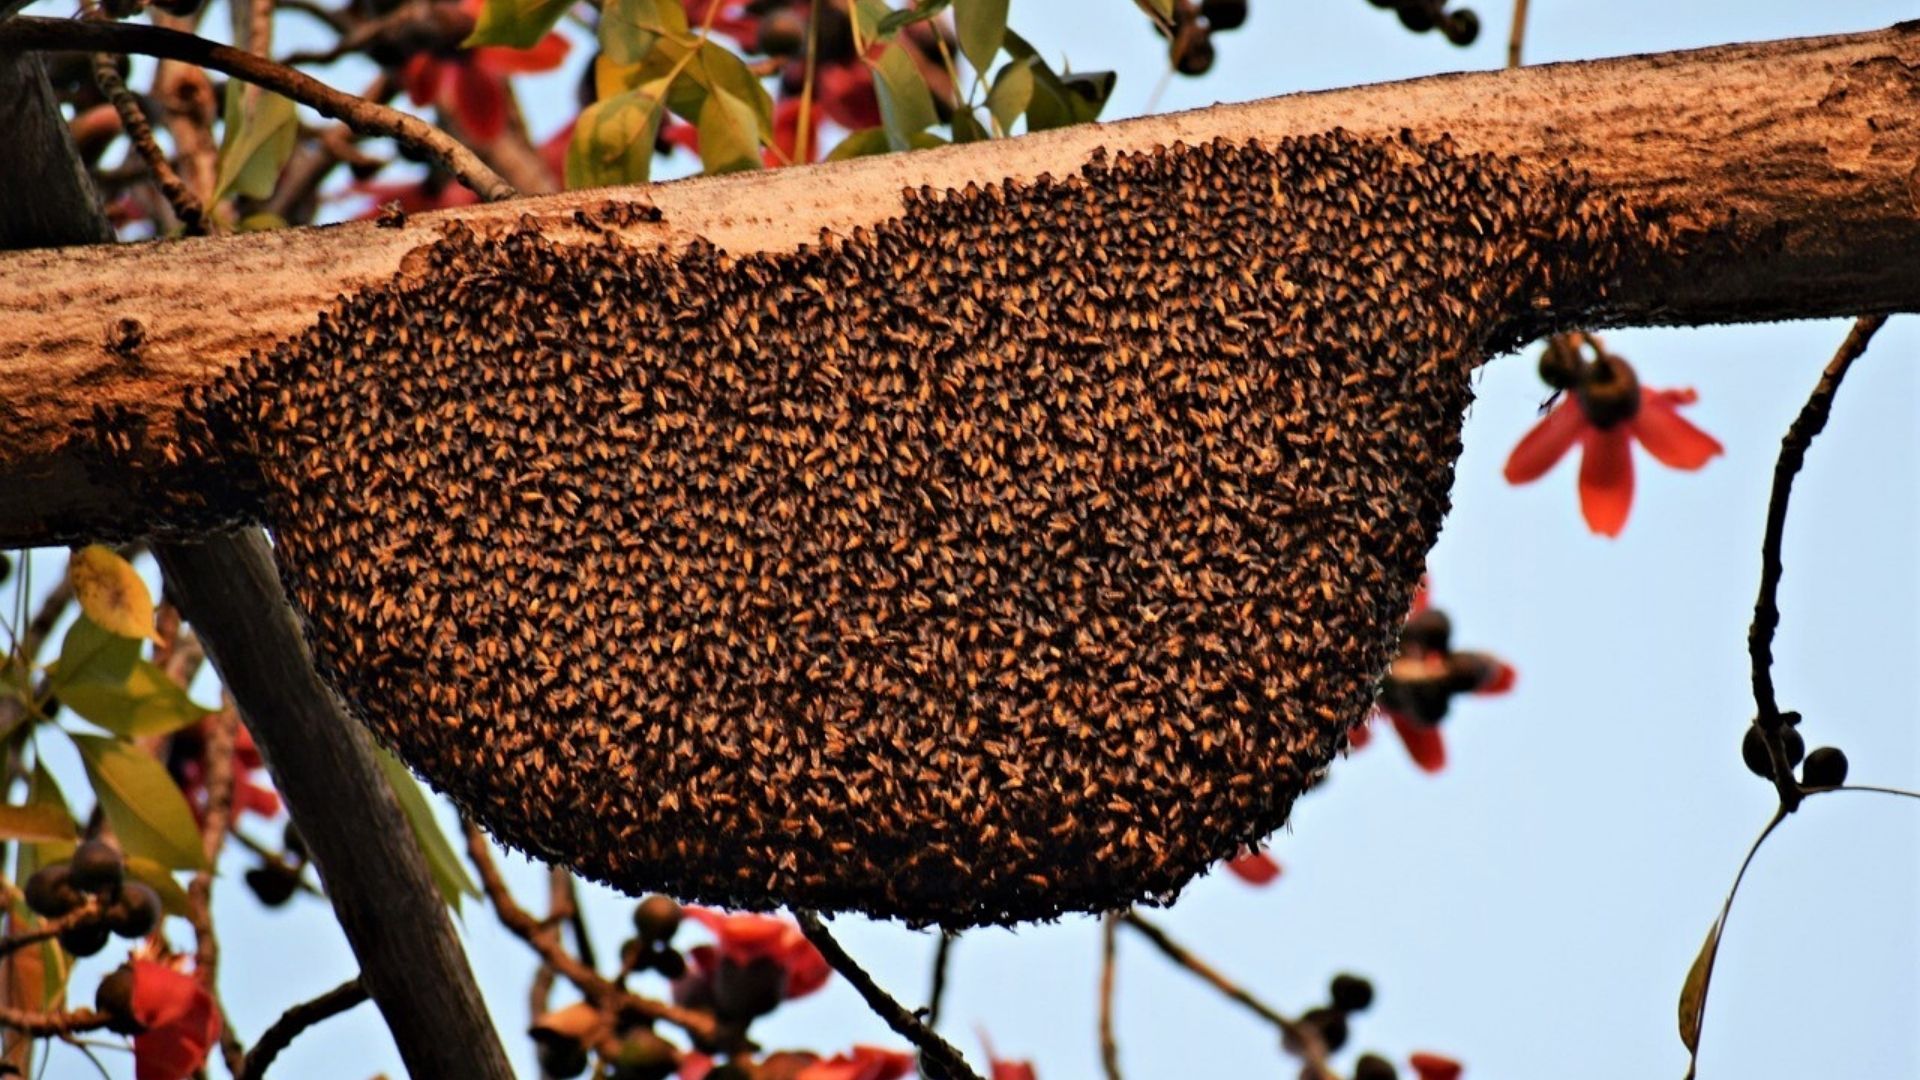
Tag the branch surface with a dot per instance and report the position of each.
(1790, 169)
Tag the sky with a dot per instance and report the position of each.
(1532, 910)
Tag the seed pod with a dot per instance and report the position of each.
(1825, 768)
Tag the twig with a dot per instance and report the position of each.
(133, 120)
(941, 955)
(1109, 1048)
(1313, 1049)
(1518, 35)
(1766, 607)
(89, 912)
(1720, 929)
(939, 1059)
(296, 1020)
(545, 941)
(35, 1024)
(216, 816)
(32, 33)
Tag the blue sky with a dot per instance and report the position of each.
(1532, 910)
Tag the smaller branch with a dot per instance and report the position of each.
(296, 1020)
(545, 941)
(1766, 607)
(939, 1060)
(32, 33)
(38, 1025)
(1518, 35)
(1312, 1047)
(88, 913)
(217, 815)
(942, 954)
(133, 120)
(1109, 1048)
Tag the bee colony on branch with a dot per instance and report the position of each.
(1024, 553)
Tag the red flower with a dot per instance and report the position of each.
(187, 761)
(864, 1063)
(1434, 1067)
(999, 1068)
(756, 963)
(473, 82)
(1605, 412)
(1255, 867)
(1422, 681)
(179, 1021)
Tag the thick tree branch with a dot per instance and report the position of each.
(1791, 169)
(411, 960)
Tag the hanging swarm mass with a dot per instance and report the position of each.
(1023, 554)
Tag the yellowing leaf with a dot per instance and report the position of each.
(729, 133)
(35, 824)
(148, 813)
(449, 874)
(517, 24)
(613, 140)
(869, 141)
(102, 677)
(1693, 994)
(110, 591)
(258, 134)
(629, 29)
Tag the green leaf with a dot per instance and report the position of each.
(870, 141)
(102, 677)
(982, 25)
(729, 133)
(867, 15)
(921, 11)
(966, 127)
(629, 29)
(517, 24)
(110, 591)
(613, 141)
(1060, 100)
(721, 69)
(147, 811)
(1011, 94)
(449, 874)
(258, 134)
(906, 105)
(1693, 994)
(36, 824)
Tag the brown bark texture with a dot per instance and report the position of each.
(1790, 169)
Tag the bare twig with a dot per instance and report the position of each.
(1518, 35)
(216, 816)
(296, 1020)
(35, 1024)
(1313, 1049)
(1109, 1048)
(942, 954)
(133, 120)
(1766, 607)
(545, 941)
(939, 1059)
(87, 913)
(30, 33)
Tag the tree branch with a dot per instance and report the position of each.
(296, 1020)
(939, 1059)
(33, 34)
(411, 960)
(1788, 168)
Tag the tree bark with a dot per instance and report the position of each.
(376, 876)
(1791, 168)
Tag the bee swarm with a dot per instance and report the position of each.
(1023, 554)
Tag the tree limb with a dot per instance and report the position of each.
(1791, 170)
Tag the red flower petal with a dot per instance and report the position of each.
(480, 100)
(1606, 480)
(546, 54)
(1254, 868)
(180, 1020)
(744, 938)
(1542, 448)
(1010, 1070)
(1424, 744)
(1361, 733)
(807, 970)
(865, 1063)
(1434, 1067)
(1500, 681)
(1670, 437)
(422, 77)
